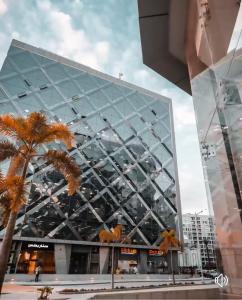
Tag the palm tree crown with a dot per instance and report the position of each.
(24, 136)
(169, 240)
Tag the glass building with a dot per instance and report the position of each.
(125, 149)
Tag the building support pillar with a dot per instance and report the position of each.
(103, 260)
(142, 266)
(62, 258)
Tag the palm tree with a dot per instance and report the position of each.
(24, 136)
(169, 241)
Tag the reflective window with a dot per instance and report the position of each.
(29, 104)
(6, 108)
(50, 97)
(98, 99)
(24, 61)
(36, 78)
(124, 108)
(68, 89)
(124, 132)
(86, 83)
(96, 123)
(137, 101)
(83, 106)
(14, 85)
(55, 72)
(113, 92)
(111, 115)
(65, 114)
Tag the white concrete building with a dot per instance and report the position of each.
(199, 236)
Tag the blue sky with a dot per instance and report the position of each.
(104, 34)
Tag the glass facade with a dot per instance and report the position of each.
(125, 149)
(217, 100)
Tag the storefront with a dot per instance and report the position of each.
(128, 260)
(36, 254)
(157, 264)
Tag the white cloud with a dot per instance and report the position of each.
(3, 7)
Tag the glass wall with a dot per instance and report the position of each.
(125, 150)
(217, 100)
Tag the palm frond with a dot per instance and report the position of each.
(67, 166)
(7, 150)
(12, 126)
(5, 208)
(36, 124)
(16, 190)
(58, 131)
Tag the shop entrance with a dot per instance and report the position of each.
(31, 257)
(78, 263)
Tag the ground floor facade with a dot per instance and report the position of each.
(63, 258)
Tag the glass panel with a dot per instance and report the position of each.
(135, 209)
(136, 148)
(93, 153)
(124, 131)
(106, 171)
(7, 68)
(136, 176)
(14, 85)
(85, 223)
(2, 94)
(55, 72)
(104, 206)
(149, 139)
(68, 89)
(163, 181)
(100, 81)
(98, 99)
(124, 108)
(137, 124)
(68, 204)
(86, 83)
(151, 229)
(65, 114)
(7, 108)
(73, 72)
(36, 78)
(123, 159)
(42, 60)
(160, 108)
(23, 61)
(161, 153)
(113, 92)
(96, 123)
(111, 115)
(50, 97)
(160, 130)
(42, 221)
(148, 115)
(83, 106)
(137, 101)
(29, 104)
(125, 90)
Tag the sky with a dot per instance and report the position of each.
(104, 34)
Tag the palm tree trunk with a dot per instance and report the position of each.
(5, 247)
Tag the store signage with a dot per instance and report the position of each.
(131, 251)
(39, 246)
(154, 252)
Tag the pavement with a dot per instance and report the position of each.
(28, 290)
(24, 292)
